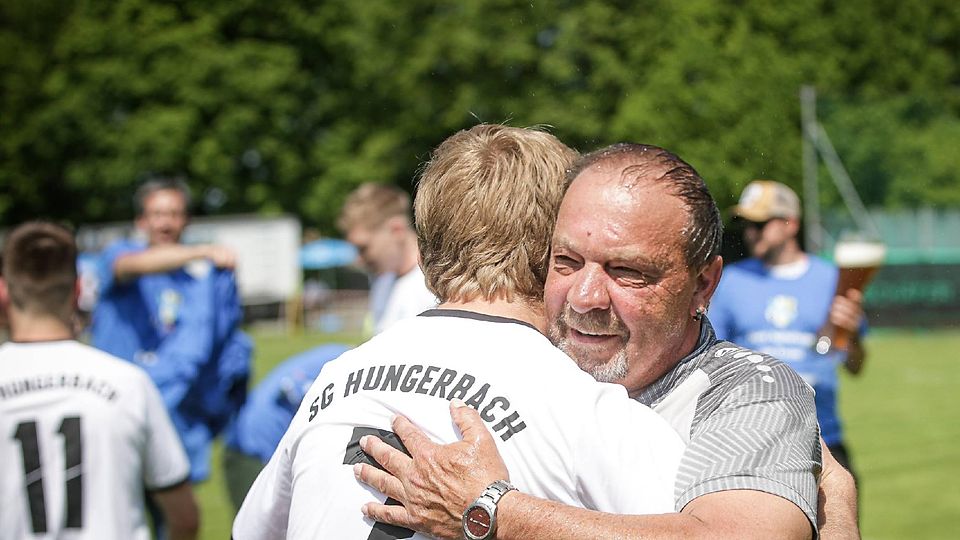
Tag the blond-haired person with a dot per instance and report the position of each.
(376, 219)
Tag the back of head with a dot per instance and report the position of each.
(647, 163)
(40, 268)
(371, 205)
(485, 209)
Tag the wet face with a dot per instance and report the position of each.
(619, 294)
(164, 216)
(379, 249)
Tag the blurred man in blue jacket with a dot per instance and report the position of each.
(174, 310)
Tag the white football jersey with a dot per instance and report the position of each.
(82, 434)
(408, 297)
(563, 435)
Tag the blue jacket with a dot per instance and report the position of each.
(182, 328)
(265, 417)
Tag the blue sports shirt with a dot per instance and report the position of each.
(781, 317)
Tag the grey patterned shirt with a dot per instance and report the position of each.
(748, 419)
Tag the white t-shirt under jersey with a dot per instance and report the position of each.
(563, 435)
(82, 434)
(408, 297)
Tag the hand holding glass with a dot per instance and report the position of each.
(858, 261)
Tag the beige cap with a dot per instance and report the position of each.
(762, 200)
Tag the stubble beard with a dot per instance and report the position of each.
(612, 371)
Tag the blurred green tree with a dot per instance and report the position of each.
(285, 106)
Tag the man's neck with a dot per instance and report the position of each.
(521, 311)
(28, 328)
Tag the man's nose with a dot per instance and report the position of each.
(589, 290)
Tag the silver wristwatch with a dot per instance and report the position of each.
(480, 518)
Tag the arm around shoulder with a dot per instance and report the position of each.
(726, 514)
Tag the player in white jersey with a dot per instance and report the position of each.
(376, 219)
(484, 207)
(82, 434)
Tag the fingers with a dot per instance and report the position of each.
(379, 480)
(846, 312)
(391, 459)
(854, 296)
(392, 514)
(222, 256)
(414, 439)
(469, 422)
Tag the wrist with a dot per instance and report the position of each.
(479, 520)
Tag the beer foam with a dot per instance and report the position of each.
(859, 254)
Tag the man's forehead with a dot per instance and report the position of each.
(624, 171)
(166, 196)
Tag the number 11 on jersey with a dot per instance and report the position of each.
(26, 433)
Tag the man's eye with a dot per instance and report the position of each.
(629, 274)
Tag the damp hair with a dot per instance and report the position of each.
(648, 163)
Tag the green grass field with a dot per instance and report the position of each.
(901, 418)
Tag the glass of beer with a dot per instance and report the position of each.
(858, 261)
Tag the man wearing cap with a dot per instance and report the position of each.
(777, 300)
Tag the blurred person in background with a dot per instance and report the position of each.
(254, 434)
(84, 432)
(376, 219)
(777, 301)
(174, 310)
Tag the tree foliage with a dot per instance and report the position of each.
(285, 106)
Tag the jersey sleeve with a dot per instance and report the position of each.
(626, 457)
(266, 508)
(165, 462)
(763, 436)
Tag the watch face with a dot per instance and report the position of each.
(477, 522)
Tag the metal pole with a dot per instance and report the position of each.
(844, 185)
(811, 196)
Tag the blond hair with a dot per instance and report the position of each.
(371, 205)
(485, 208)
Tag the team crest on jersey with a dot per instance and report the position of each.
(169, 309)
(781, 311)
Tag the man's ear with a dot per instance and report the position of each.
(707, 282)
(4, 294)
(793, 226)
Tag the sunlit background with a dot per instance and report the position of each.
(274, 111)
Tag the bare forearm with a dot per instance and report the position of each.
(156, 260)
(837, 513)
(182, 534)
(180, 511)
(521, 516)
(731, 514)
